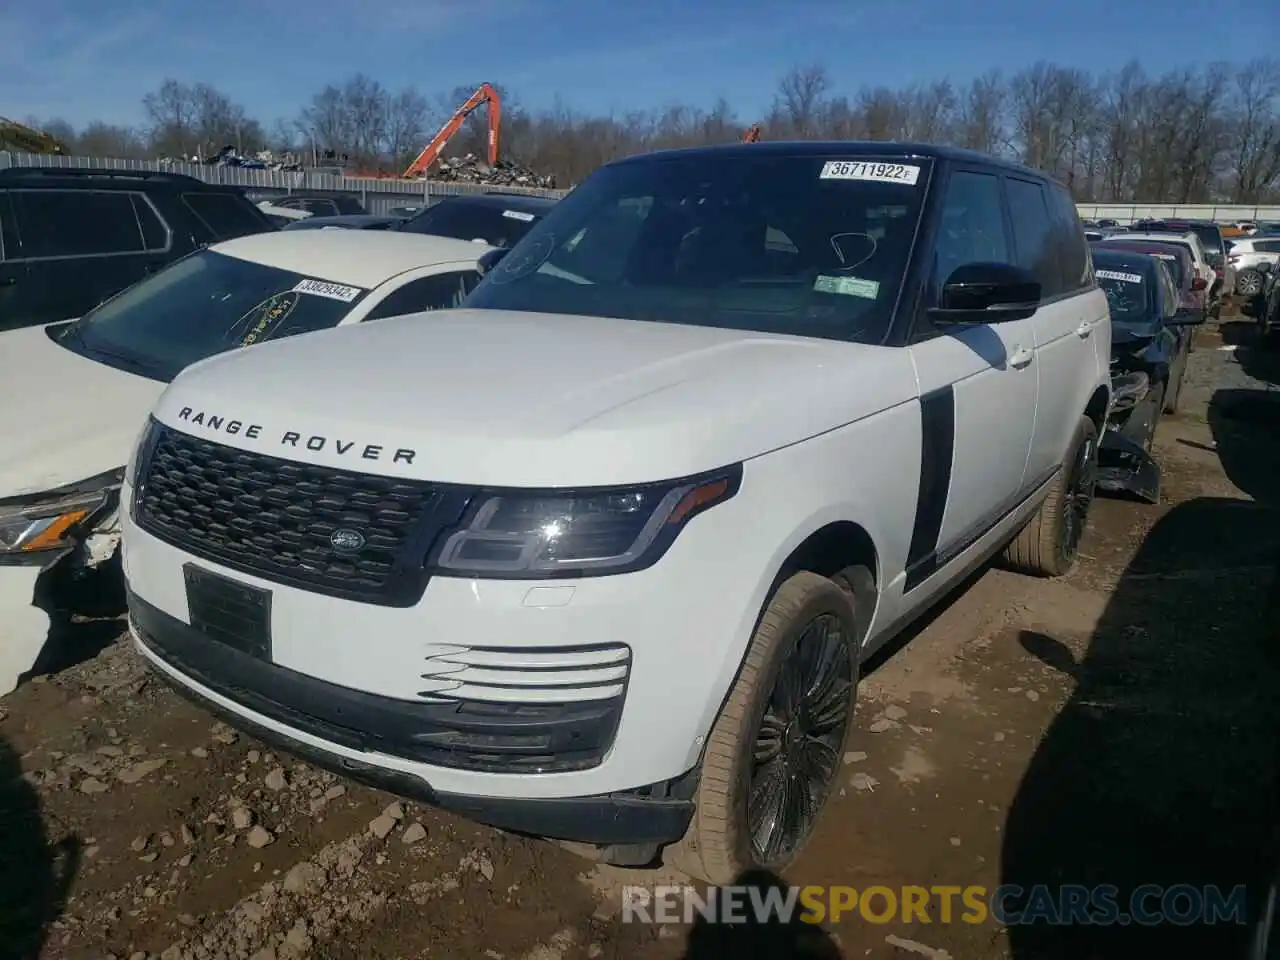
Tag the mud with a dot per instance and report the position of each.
(1117, 726)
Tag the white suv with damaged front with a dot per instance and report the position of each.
(597, 556)
(75, 394)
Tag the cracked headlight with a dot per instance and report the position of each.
(38, 523)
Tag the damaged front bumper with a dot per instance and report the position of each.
(1124, 463)
(40, 529)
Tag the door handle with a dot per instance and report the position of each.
(1021, 357)
(1086, 328)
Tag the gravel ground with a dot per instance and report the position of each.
(1117, 725)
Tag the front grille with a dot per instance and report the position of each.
(275, 518)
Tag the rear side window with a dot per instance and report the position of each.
(1034, 235)
(154, 232)
(1068, 236)
(76, 223)
(439, 292)
(225, 215)
(8, 239)
(1267, 246)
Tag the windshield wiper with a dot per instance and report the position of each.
(129, 360)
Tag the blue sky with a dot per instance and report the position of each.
(85, 59)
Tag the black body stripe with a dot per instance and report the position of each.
(937, 445)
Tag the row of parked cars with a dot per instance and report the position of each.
(594, 552)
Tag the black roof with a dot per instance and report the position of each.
(104, 179)
(838, 149)
(506, 201)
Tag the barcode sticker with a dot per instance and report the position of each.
(334, 291)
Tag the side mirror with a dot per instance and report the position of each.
(1198, 283)
(987, 293)
(489, 259)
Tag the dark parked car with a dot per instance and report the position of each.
(320, 203)
(1150, 337)
(1192, 294)
(1265, 306)
(357, 221)
(498, 219)
(71, 238)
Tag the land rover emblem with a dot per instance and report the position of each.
(345, 540)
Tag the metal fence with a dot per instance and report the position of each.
(1221, 212)
(378, 196)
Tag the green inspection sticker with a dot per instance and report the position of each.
(847, 286)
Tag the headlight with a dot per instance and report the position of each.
(139, 447)
(581, 533)
(35, 524)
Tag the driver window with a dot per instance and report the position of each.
(972, 226)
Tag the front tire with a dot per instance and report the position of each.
(778, 743)
(1048, 544)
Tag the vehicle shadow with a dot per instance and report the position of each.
(84, 615)
(1162, 768)
(760, 938)
(35, 876)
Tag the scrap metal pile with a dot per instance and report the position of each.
(504, 173)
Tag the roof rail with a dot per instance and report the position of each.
(14, 173)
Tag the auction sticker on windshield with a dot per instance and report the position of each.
(334, 291)
(848, 286)
(518, 215)
(1122, 277)
(877, 172)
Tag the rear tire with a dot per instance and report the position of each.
(1048, 544)
(805, 649)
(1248, 284)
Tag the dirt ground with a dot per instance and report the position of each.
(1116, 726)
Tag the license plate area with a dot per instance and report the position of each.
(228, 611)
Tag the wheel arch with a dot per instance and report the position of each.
(1098, 406)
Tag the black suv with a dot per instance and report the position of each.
(70, 238)
(498, 219)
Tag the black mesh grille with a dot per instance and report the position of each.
(275, 518)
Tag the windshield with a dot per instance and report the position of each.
(204, 304)
(781, 244)
(463, 220)
(1128, 293)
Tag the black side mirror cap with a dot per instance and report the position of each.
(489, 259)
(987, 293)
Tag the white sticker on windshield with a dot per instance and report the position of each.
(847, 286)
(1122, 277)
(334, 291)
(518, 215)
(861, 170)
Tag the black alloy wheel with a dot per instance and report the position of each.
(1078, 497)
(799, 738)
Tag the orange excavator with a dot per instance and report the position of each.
(486, 94)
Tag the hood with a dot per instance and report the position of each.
(66, 417)
(502, 398)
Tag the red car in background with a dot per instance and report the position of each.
(1192, 294)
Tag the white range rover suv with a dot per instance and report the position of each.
(597, 556)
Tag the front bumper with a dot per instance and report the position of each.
(269, 698)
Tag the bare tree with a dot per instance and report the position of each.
(1255, 130)
(1209, 133)
(798, 105)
